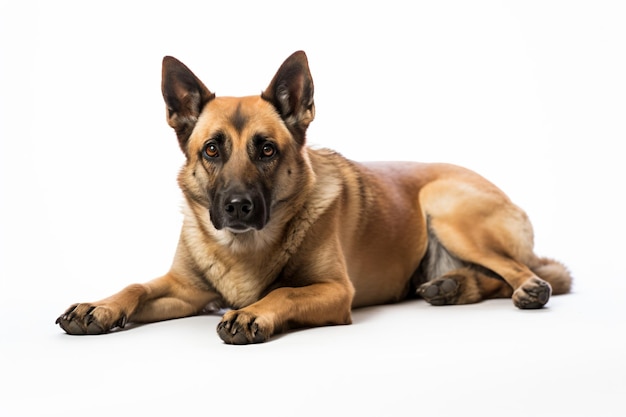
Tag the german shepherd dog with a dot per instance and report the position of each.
(287, 236)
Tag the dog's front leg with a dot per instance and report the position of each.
(309, 306)
(160, 299)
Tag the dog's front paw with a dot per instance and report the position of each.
(534, 293)
(239, 327)
(85, 318)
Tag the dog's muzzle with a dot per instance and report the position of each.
(240, 212)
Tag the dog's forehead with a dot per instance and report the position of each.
(241, 112)
(239, 118)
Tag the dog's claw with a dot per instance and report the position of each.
(239, 331)
(87, 319)
(121, 323)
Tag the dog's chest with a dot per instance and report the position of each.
(241, 279)
(240, 284)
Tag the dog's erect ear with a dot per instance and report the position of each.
(185, 97)
(291, 92)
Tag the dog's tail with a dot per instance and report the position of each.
(554, 272)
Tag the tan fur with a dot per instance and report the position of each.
(289, 236)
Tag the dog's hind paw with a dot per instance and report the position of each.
(534, 293)
(443, 291)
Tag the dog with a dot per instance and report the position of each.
(287, 236)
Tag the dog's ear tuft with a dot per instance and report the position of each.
(291, 93)
(185, 96)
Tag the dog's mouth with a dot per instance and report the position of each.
(239, 228)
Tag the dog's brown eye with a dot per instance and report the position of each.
(211, 151)
(268, 150)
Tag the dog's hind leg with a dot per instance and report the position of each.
(446, 280)
(464, 286)
(481, 261)
(477, 274)
(473, 224)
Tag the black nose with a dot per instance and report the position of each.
(239, 208)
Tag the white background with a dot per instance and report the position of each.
(530, 94)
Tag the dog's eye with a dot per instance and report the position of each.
(268, 150)
(210, 150)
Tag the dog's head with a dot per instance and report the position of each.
(246, 160)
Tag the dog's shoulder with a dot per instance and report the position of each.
(331, 170)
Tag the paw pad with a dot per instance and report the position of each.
(533, 294)
(440, 292)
